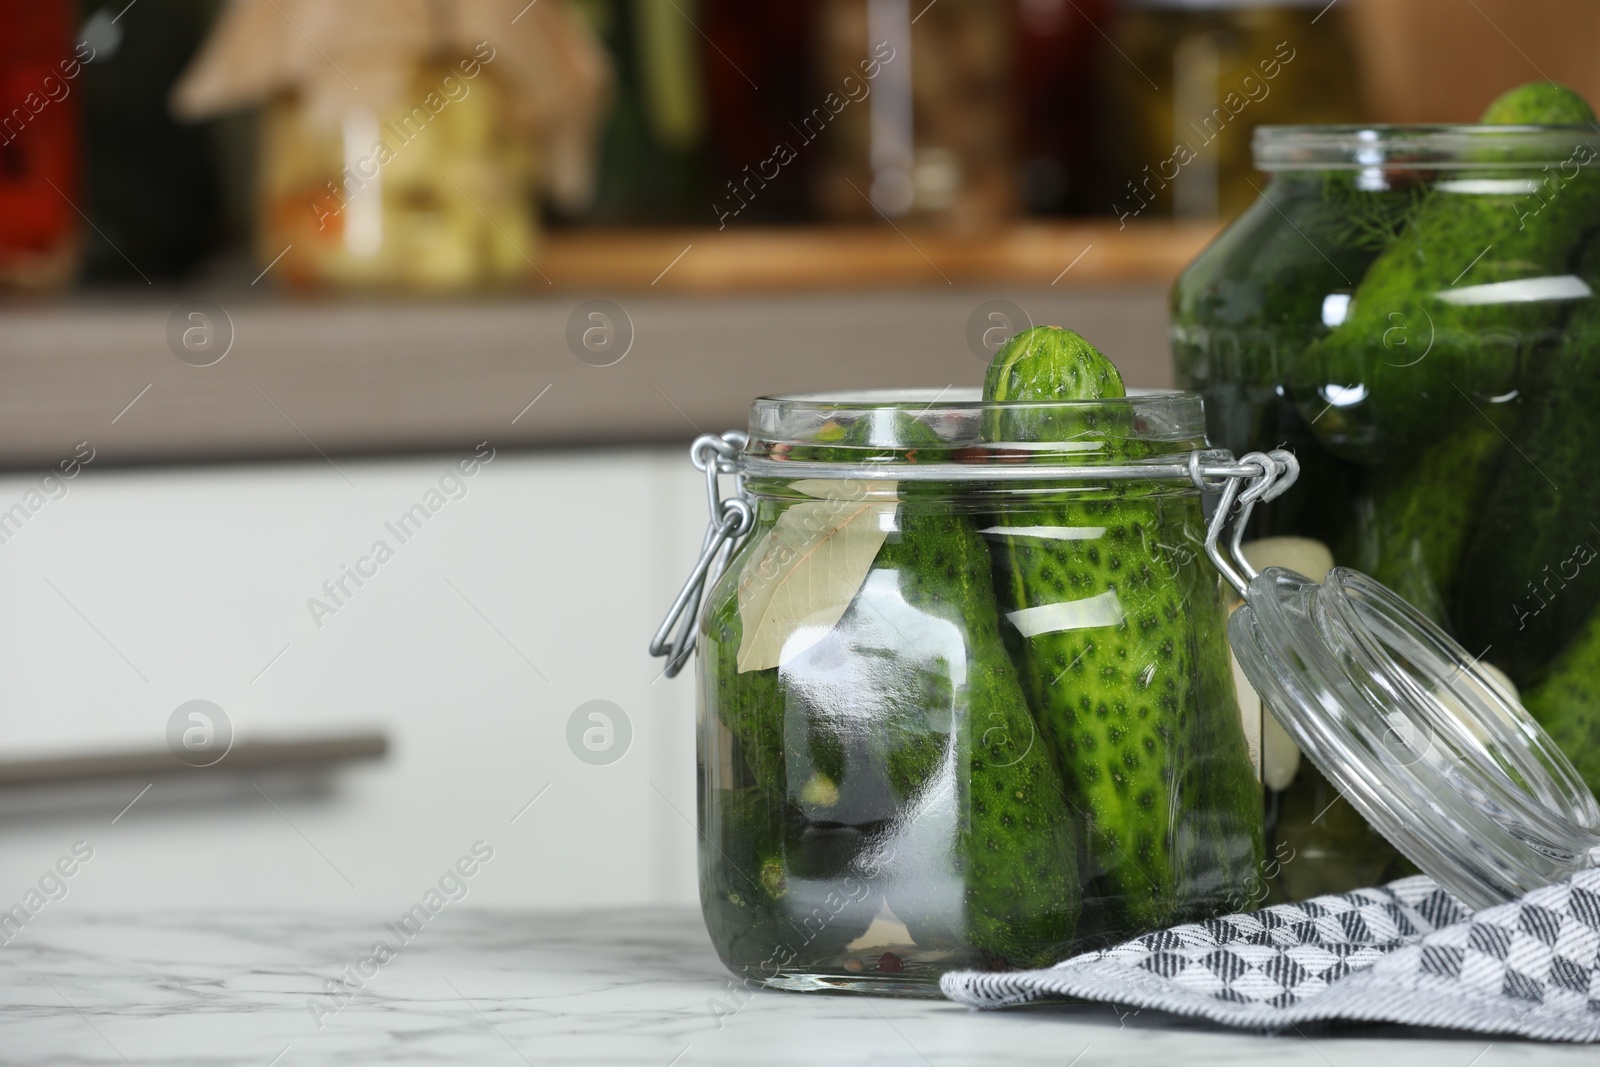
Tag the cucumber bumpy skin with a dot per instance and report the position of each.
(951, 722)
(1529, 579)
(1015, 848)
(1257, 294)
(1013, 844)
(1567, 702)
(1412, 526)
(1367, 386)
(1134, 722)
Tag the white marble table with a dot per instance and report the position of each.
(624, 987)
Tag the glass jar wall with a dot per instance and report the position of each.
(951, 724)
(1411, 309)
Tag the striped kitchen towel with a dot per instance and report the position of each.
(1407, 952)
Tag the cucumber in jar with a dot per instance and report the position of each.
(1413, 523)
(1150, 740)
(1268, 287)
(1015, 854)
(1387, 377)
(1426, 323)
(1566, 702)
(1529, 582)
(765, 906)
(982, 851)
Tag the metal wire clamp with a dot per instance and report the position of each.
(731, 519)
(1272, 473)
(1246, 482)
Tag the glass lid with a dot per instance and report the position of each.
(1420, 739)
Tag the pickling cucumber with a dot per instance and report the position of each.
(1537, 104)
(1413, 523)
(1567, 702)
(1015, 851)
(1424, 324)
(1528, 581)
(1150, 741)
(764, 908)
(982, 852)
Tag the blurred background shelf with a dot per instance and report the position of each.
(308, 379)
(717, 318)
(796, 258)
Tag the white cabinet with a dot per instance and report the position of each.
(505, 601)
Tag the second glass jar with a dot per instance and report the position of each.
(1412, 311)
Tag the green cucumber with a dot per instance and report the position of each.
(1048, 363)
(1567, 702)
(764, 905)
(748, 703)
(1413, 524)
(1527, 586)
(1386, 379)
(1137, 709)
(976, 743)
(982, 851)
(1537, 104)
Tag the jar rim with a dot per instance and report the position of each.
(964, 398)
(955, 435)
(1432, 147)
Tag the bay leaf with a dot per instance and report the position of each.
(806, 570)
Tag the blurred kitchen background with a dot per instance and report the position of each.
(284, 280)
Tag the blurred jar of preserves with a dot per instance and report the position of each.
(406, 159)
(1193, 79)
(40, 161)
(653, 147)
(1059, 46)
(750, 118)
(404, 197)
(914, 112)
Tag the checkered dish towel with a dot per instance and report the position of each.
(1407, 952)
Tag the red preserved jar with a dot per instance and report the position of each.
(40, 162)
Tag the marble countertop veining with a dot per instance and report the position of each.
(636, 987)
